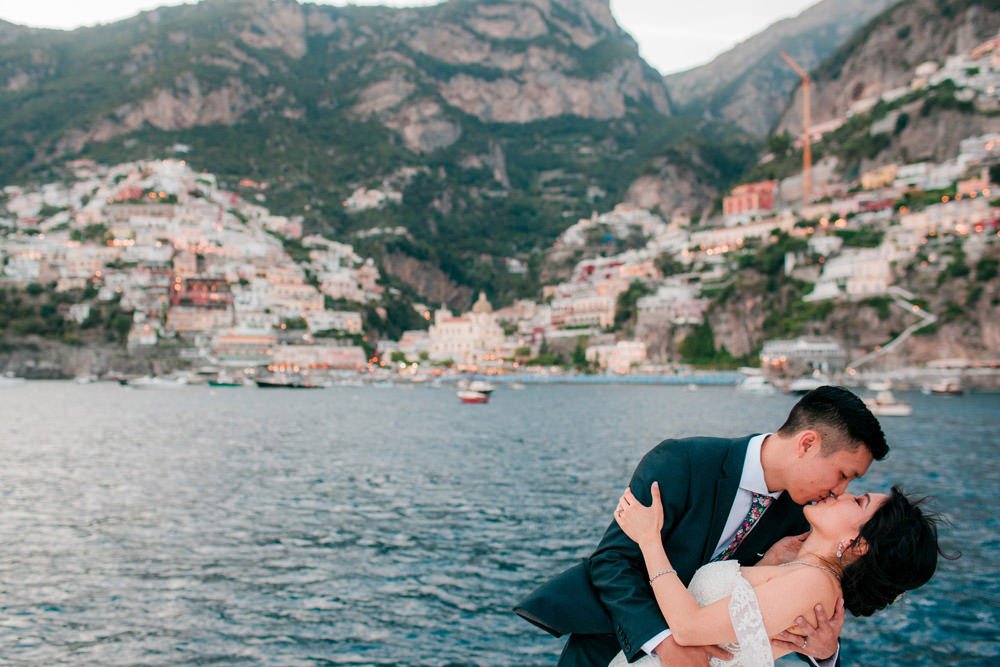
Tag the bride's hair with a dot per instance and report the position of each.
(902, 555)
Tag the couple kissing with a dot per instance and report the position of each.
(734, 552)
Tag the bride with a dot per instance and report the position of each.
(867, 549)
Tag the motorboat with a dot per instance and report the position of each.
(10, 380)
(225, 380)
(286, 382)
(885, 404)
(469, 396)
(154, 382)
(945, 387)
(756, 384)
(804, 385)
(480, 386)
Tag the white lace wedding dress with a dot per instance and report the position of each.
(715, 581)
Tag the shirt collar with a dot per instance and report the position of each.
(752, 478)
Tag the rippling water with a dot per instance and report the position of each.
(363, 526)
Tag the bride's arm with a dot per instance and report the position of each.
(781, 600)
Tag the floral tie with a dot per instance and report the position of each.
(758, 504)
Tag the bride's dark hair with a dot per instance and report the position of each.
(902, 555)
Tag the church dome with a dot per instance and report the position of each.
(482, 305)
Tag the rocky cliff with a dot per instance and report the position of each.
(884, 54)
(518, 114)
(749, 85)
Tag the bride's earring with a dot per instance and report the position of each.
(840, 550)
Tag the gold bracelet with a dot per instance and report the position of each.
(661, 573)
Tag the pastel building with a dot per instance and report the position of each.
(750, 199)
(468, 338)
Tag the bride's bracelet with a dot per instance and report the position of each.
(661, 573)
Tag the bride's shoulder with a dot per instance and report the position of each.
(801, 578)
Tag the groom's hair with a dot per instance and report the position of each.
(842, 417)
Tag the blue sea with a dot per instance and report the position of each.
(370, 526)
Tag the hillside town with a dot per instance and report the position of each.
(238, 287)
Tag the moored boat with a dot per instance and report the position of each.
(945, 387)
(756, 384)
(286, 383)
(153, 382)
(885, 404)
(804, 385)
(469, 396)
(10, 380)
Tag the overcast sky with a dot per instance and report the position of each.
(673, 35)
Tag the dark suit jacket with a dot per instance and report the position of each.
(609, 593)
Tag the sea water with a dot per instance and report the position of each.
(367, 526)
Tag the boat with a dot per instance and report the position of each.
(756, 384)
(286, 382)
(225, 380)
(479, 386)
(10, 380)
(878, 385)
(945, 387)
(153, 382)
(469, 396)
(885, 404)
(804, 385)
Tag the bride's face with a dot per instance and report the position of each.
(844, 514)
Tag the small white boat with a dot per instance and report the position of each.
(149, 382)
(756, 384)
(10, 380)
(885, 404)
(804, 385)
(481, 387)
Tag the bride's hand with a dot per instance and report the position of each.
(642, 524)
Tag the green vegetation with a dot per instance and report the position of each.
(294, 323)
(627, 308)
(38, 310)
(698, 349)
(986, 269)
(863, 237)
(94, 232)
(881, 304)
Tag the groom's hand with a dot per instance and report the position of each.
(671, 654)
(820, 642)
(784, 550)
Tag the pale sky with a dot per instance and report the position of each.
(672, 35)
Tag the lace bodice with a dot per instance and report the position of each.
(713, 582)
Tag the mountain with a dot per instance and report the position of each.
(749, 85)
(884, 54)
(499, 122)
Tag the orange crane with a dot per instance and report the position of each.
(806, 123)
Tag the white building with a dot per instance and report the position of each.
(802, 355)
(468, 339)
(619, 358)
(856, 273)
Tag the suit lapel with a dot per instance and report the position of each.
(725, 493)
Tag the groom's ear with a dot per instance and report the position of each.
(807, 440)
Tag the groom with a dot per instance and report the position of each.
(722, 499)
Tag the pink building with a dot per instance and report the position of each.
(750, 198)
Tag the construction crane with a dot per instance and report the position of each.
(806, 123)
